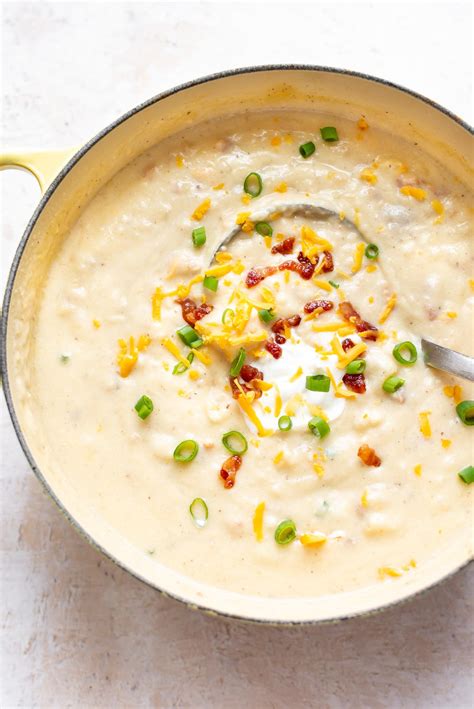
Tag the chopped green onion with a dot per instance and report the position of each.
(211, 283)
(266, 316)
(357, 366)
(235, 442)
(186, 451)
(199, 511)
(329, 133)
(144, 407)
(465, 411)
(65, 358)
(253, 184)
(372, 251)
(334, 284)
(228, 314)
(392, 384)
(263, 228)
(181, 368)
(318, 426)
(318, 382)
(467, 474)
(285, 423)
(412, 353)
(285, 532)
(307, 149)
(237, 363)
(189, 336)
(199, 236)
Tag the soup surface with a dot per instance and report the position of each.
(343, 472)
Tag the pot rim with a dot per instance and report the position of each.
(11, 282)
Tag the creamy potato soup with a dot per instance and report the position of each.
(258, 416)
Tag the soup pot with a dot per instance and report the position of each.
(79, 177)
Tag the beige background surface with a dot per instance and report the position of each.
(76, 631)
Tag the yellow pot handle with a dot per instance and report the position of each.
(43, 164)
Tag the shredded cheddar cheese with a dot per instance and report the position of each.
(282, 187)
(358, 256)
(127, 356)
(313, 539)
(258, 517)
(278, 401)
(416, 192)
(173, 349)
(425, 426)
(275, 141)
(368, 176)
(201, 210)
(362, 123)
(438, 208)
(278, 458)
(220, 186)
(179, 160)
(363, 500)
(417, 470)
(96, 324)
(296, 375)
(248, 410)
(392, 301)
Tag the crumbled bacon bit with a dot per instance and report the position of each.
(328, 262)
(192, 312)
(285, 247)
(349, 313)
(280, 325)
(247, 373)
(229, 470)
(248, 382)
(355, 382)
(315, 304)
(369, 456)
(274, 349)
(280, 340)
(302, 266)
(347, 344)
(256, 275)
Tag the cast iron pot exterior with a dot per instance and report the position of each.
(287, 611)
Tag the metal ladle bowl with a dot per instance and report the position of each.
(435, 356)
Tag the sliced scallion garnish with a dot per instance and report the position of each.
(285, 532)
(189, 336)
(186, 451)
(329, 134)
(333, 284)
(467, 474)
(181, 368)
(253, 184)
(211, 283)
(235, 442)
(237, 363)
(266, 316)
(372, 251)
(285, 423)
(307, 149)
(318, 426)
(263, 228)
(357, 366)
(199, 511)
(144, 407)
(199, 236)
(465, 411)
(392, 384)
(318, 382)
(227, 316)
(402, 347)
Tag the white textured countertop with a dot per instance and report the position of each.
(77, 631)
